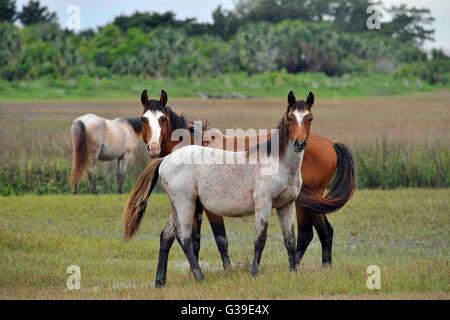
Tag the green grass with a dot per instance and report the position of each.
(405, 232)
(274, 84)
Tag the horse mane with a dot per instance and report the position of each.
(135, 123)
(177, 121)
(283, 134)
(283, 141)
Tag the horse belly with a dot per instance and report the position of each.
(229, 205)
(114, 143)
(226, 194)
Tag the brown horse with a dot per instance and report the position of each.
(326, 164)
(95, 138)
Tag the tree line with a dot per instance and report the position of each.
(256, 36)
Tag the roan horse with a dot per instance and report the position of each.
(214, 186)
(95, 138)
(325, 164)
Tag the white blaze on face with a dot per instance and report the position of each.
(299, 115)
(153, 121)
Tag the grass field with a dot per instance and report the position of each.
(267, 85)
(398, 141)
(405, 232)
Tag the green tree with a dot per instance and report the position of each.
(8, 11)
(10, 46)
(351, 15)
(409, 24)
(255, 48)
(146, 21)
(33, 13)
(272, 10)
(225, 23)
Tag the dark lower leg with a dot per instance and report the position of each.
(325, 233)
(196, 228)
(305, 232)
(92, 181)
(166, 240)
(186, 245)
(220, 236)
(120, 181)
(120, 174)
(75, 189)
(289, 242)
(260, 242)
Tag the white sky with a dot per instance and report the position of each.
(95, 13)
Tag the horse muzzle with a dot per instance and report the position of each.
(154, 149)
(299, 145)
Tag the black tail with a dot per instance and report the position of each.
(340, 189)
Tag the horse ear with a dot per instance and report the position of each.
(310, 99)
(291, 99)
(163, 99)
(144, 98)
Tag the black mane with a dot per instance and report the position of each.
(177, 121)
(283, 133)
(135, 123)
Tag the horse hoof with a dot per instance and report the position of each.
(160, 284)
(255, 273)
(200, 278)
(227, 266)
(326, 264)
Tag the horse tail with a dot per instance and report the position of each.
(79, 151)
(340, 189)
(137, 203)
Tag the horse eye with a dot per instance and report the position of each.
(143, 119)
(163, 119)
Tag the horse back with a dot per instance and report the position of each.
(95, 128)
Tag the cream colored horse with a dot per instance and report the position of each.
(95, 138)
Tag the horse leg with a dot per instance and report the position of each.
(166, 240)
(126, 160)
(262, 212)
(286, 217)
(196, 228)
(185, 211)
(325, 233)
(92, 179)
(119, 172)
(220, 235)
(92, 161)
(305, 231)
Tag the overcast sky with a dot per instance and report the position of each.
(96, 13)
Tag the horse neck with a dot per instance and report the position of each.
(290, 161)
(168, 145)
